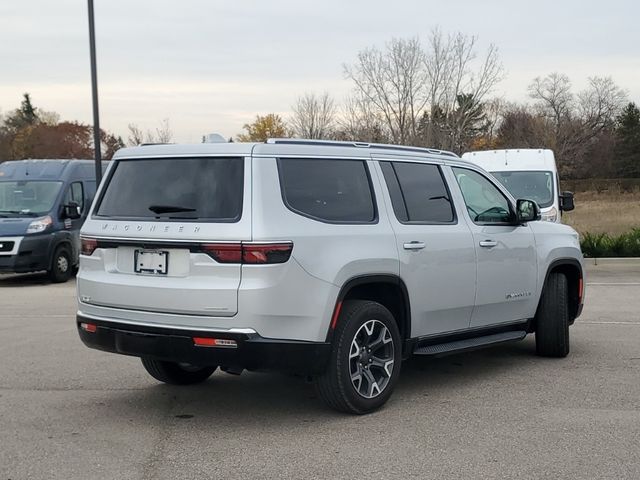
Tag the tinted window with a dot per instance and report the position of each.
(190, 188)
(485, 203)
(330, 190)
(418, 192)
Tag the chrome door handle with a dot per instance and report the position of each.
(415, 245)
(488, 243)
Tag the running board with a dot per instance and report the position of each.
(470, 343)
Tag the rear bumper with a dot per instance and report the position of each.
(253, 352)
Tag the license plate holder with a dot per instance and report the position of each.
(151, 262)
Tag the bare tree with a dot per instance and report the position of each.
(553, 97)
(393, 81)
(360, 121)
(314, 116)
(164, 134)
(136, 135)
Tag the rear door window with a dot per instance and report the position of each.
(334, 191)
(418, 192)
(208, 189)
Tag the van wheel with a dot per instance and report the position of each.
(365, 359)
(61, 268)
(552, 318)
(176, 373)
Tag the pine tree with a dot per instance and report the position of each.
(22, 117)
(627, 148)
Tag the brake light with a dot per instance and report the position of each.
(249, 253)
(88, 246)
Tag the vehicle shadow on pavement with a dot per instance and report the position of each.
(24, 279)
(273, 399)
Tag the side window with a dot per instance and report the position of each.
(418, 192)
(75, 194)
(337, 191)
(485, 202)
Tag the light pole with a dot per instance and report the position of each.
(94, 94)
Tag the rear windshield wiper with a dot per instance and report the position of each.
(170, 209)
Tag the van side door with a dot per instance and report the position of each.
(435, 248)
(505, 250)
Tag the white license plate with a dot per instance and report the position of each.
(151, 262)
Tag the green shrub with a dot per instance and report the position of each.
(595, 245)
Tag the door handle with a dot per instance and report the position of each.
(415, 245)
(488, 243)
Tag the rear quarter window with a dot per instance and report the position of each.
(208, 189)
(332, 191)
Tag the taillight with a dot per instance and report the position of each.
(266, 253)
(88, 246)
(249, 253)
(224, 252)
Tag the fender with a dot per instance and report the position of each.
(404, 323)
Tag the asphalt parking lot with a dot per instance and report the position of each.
(67, 412)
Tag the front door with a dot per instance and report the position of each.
(506, 255)
(435, 247)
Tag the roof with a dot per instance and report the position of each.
(45, 169)
(280, 146)
(513, 159)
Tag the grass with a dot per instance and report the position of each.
(613, 212)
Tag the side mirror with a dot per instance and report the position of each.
(527, 211)
(566, 201)
(72, 210)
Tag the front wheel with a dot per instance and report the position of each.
(61, 268)
(365, 359)
(552, 318)
(176, 373)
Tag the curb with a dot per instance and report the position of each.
(613, 261)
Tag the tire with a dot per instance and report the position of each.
(552, 318)
(176, 373)
(375, 371)
(61, 267)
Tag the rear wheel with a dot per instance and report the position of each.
(365, 359)
(176, 373)
(552, 318)
(61, 268)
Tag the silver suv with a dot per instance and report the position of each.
(329, 259)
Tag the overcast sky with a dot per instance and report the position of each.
(211, 66)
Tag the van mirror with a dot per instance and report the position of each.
(566, 201)
(527, 211)
(72, 210)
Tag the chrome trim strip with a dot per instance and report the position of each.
(242, 331)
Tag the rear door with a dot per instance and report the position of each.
(167, 233)
(437, 257)
(506, 255)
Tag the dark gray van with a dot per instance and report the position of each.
(43, 204)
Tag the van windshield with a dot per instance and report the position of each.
(175, 188)
(28, 198)
(532, 185)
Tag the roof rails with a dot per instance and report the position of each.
(380, 146)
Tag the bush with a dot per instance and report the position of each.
(595, 245)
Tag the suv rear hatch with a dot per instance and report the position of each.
(163, 234)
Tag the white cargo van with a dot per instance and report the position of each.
(527, 173)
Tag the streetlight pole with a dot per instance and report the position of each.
(94, 94)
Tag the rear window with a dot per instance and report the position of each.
(335, 191)
(186, 189)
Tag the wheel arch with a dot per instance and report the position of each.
(62, 243)
(572, 269)
(388, 290)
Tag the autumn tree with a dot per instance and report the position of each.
(314, 116)
(264, 127)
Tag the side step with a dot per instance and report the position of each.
(470, 343)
